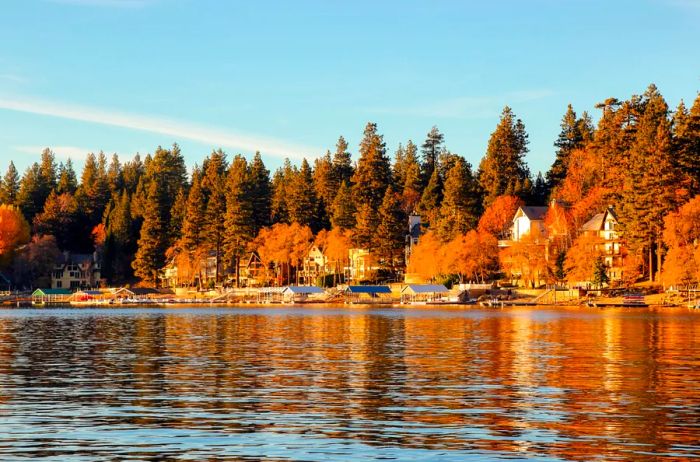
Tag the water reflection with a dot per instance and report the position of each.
(320, 384)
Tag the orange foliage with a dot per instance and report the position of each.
(338, 243)
(427, 258)
(681, 234)
(583, 173)
(587, 206)
(98, 235)
(557, 222)
(498, 217)
(473, 255)
(14, 229)
(525, 260)
(581, 258)
(283, 244)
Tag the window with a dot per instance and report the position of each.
(59, 284)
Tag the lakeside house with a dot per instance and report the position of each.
(252, 271)
(363, 266)
(76, 271)
(313, 266)
(604, 226)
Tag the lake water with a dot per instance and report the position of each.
(329, 383)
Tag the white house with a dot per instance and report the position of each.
(528, 220)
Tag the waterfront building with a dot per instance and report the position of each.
(604, 226)
(76, 271)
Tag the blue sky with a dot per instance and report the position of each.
(288, 78)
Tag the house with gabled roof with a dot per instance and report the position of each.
(314, 264)
(76, 271)
(528, 220)
(604, 226)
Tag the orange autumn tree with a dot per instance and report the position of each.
(285, 246)
(473, 255)
(681, 234)
(525, 260)
(14, 231)
(428, 257)
(581, 258)
(498, 217)
(336, 244)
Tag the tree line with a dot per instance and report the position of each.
(640, 157)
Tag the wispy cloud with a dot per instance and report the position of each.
(106, 3)
(215, 137)
(467, 107)
(63, 152)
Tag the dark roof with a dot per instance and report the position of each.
(143, 290)
(369, 289)
(534, 212)
(75, 259)
(52, 292)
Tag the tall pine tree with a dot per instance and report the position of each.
(503, 168)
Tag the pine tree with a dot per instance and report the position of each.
(10, 186)
(461, 205)
(504, 166)
(391, 231)
(93, 193)
(67, 179)
(367, 221)
(343, 209)
(47, 171)
(373, 173)
(431, 150)
(194, 220)
(569, 138)
(152, 243)
(120, 240)
(132, 172)
(342, 163)
(240, 211)
(177, 214)
(600, 273)
(651, 179)
(686, 130)
(114, 175)
(30, 197)
(398, 172)
(412, 188)
(280, 189)
(60, 218)
(301, 199)
(214, 187)
(261, 193)
(325, 186)
(429, 205)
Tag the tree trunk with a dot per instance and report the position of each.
(651, 261)
(237, 262)
(659, 258)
